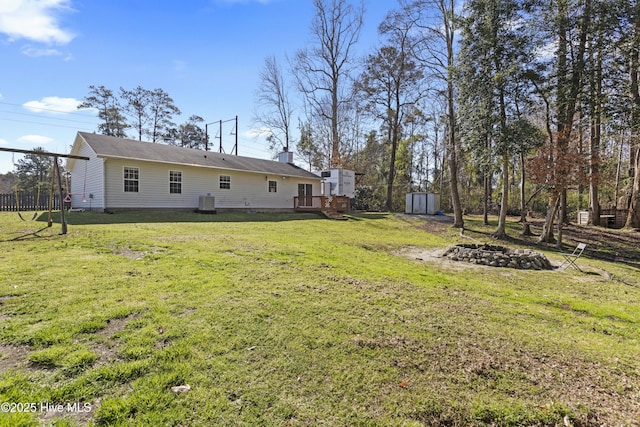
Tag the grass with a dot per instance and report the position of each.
(294, 320)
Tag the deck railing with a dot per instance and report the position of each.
(319, 203)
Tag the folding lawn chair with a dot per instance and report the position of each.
(570, 259)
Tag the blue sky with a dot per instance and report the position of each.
(206, 54)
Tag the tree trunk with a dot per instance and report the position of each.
(523, 203)
(618, 168)
(394, 135)
(501, 233)
(547, 229)
(448, 16)
(487, 197)
(335, 136)
(561, 214)
(594, 171)
(595, 135)
(633, 217)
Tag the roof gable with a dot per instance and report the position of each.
(108, 146)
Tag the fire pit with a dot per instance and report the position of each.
(498, 256)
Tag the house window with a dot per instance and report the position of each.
(131, 179)
(225, 182)
(175, 182)
(273, 186)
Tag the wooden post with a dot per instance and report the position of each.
(50, 218)
(56, 169)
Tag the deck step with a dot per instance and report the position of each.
(333, 214)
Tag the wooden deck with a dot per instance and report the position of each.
(330, 206)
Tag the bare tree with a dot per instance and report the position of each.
(391, 86)
(436, 49)
(323, 69)
(273, 98)
(571, 39)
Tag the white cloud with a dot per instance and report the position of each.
(35, 139)
(257, 132)
(53, 104)
(34, 20)
(3, 142)
(35, 52)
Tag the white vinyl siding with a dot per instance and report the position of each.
(247, 191)
(86, 179)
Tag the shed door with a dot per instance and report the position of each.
(420, 203)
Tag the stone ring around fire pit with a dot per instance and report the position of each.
(498, 256)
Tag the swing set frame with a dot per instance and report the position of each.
(56, 173)
(16, 191)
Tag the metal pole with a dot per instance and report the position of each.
(206, 137)
(236, 146)
(220, 136)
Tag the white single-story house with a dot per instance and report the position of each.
(124, 174)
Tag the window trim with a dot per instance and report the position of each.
(224, 182)
(131, 184)
(175, 184)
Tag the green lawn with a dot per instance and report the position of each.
(295, 320)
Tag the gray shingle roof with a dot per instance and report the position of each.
(108, 146)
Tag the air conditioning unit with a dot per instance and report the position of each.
(207, 204)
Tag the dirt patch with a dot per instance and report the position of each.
(138, 253)
(435, 256)
(114, 326)
(13, 357)
(106, 347)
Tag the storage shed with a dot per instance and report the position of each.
(422, 203)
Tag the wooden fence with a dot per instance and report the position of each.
(27, 202)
